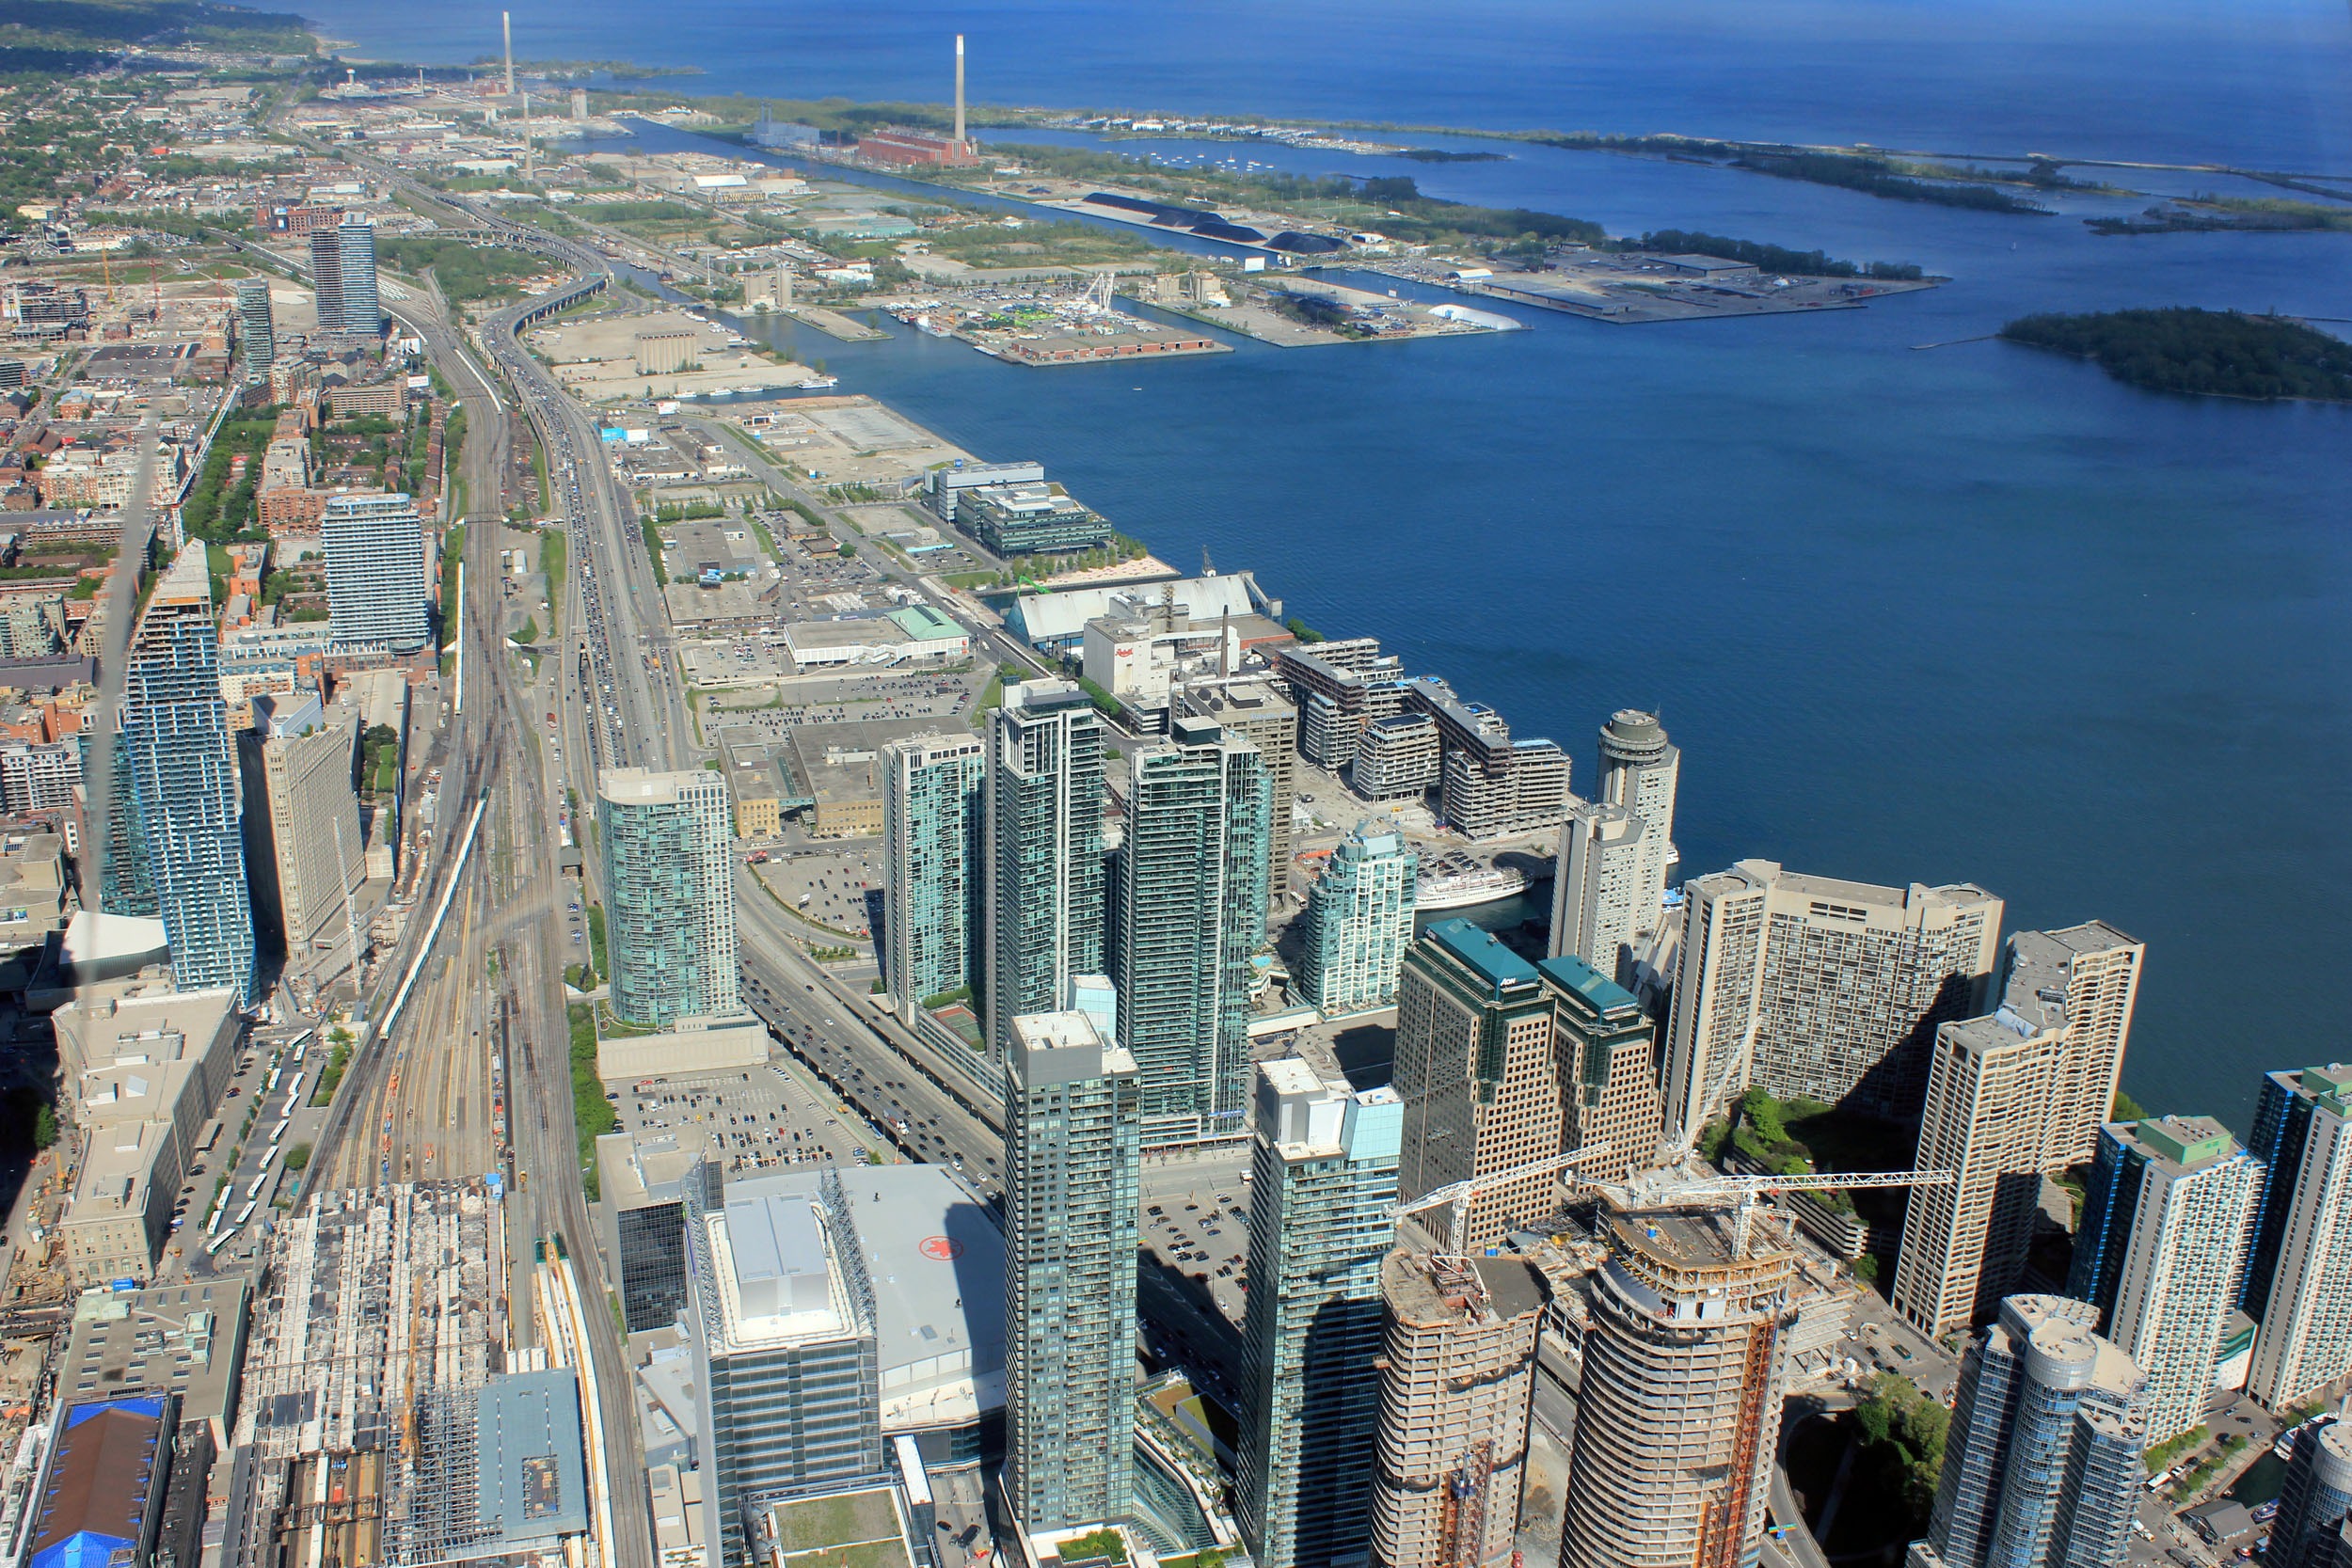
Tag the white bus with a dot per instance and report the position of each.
(267, 1161)
(301, 1045)
(279, 1132)
(270, 1085)
(293, 1090)
(244, 1214)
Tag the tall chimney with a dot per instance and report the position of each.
(959, 89)
(506, 25)
(530, 171)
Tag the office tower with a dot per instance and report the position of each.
(1604, 1044)
(183, 781)
(2162, 1237)
(1258, 712)
(931, 856)
(640, 1218)
(1188, 916)
(374, 547)
(1396, 758)
(2041, 1465)
(2302, 1242)
(669, 896)
(1483, 1089)
(2314, 1498)
(1488, 785)
(326, 280)
(304, 812)
(256, 330)
(1359, 921)
(1323, 1182)
(1639, 770)
(1455, 1384)
(787, 1379)
(2012, 1098)
(1044, 893)
(1072, 1155)
(362, 313)
(1598, 896)
(1678, 1411)
(127, 879)
(1816, 986)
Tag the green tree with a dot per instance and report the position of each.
(1900, 1432)
(44, 1127)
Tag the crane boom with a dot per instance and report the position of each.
(1458, 1194)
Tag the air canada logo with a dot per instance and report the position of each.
(942, 1248)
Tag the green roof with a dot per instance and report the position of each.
(1483, 952)
(2186, 1140)
(922, 621)
(1570, 973)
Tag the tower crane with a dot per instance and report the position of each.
(1459, 1194)
(1745, 1191)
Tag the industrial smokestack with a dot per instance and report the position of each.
(506, 25)
(959, 89)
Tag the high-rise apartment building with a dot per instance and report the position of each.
(2162, 1237)
(788, 1377)
(1396, 757)
(185, 797)
(1339, 687)
(126, 879)
(2302, 1243)
(1490, 785)
(1483, 1089)
(1686, 1361)
(1455, 1384)
(1640, 770)
(1073, 1153)
(1260, 713)
(932, 853)
(374, 549)
(2012, 1097)
(1044, 898)
(1359, 921)
(1605, 1046)
(1599, 896)
(2315, 1498)
(257, 330)
(669, 896)
(1813, 987)
(326, 280)
(1189, 913)
(303, 812)
(2041, 1465)
(361, 311)
(1323, 1183)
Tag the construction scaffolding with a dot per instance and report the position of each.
(375, 1331)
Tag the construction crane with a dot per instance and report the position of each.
(1746, 1190)
(1459, 1194)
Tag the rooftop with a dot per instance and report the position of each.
(101, 1476)
(1484, 953)
(1512, 1286)
(1602, 994)
(532, 1483)
(188, 1338)
(2185, 1142)
(937, 1262)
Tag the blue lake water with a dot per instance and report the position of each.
(1964, 613)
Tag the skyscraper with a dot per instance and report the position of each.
(2162, 1237)
(1598, 892)
(668, 894)
(1258, 712)
(2315, 1498)
(326, 280)
(127, 879)
(1483, 1087)
(183, 781)
(2012, 1098)
(257, 331)
(1456, 1380)
(2041, 1465)
(1604, 1042)
(787, 1376)
(1188, 914)
(362, 313)
(1359, 920)
(1072, 1153)
(932, 850)
(2303, 1238)
(1044, 896)
(1639, 771)
(1816, 986)
(304, 811)
(1679, 1409)
(374, 549)
(1323, 1182)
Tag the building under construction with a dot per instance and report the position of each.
(1456, 1381)
(370, 1424)
(1686, 1360)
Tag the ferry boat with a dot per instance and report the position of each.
(817, 383)
(1449, 885)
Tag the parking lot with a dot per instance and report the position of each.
(839, 888)
(756, 1119)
